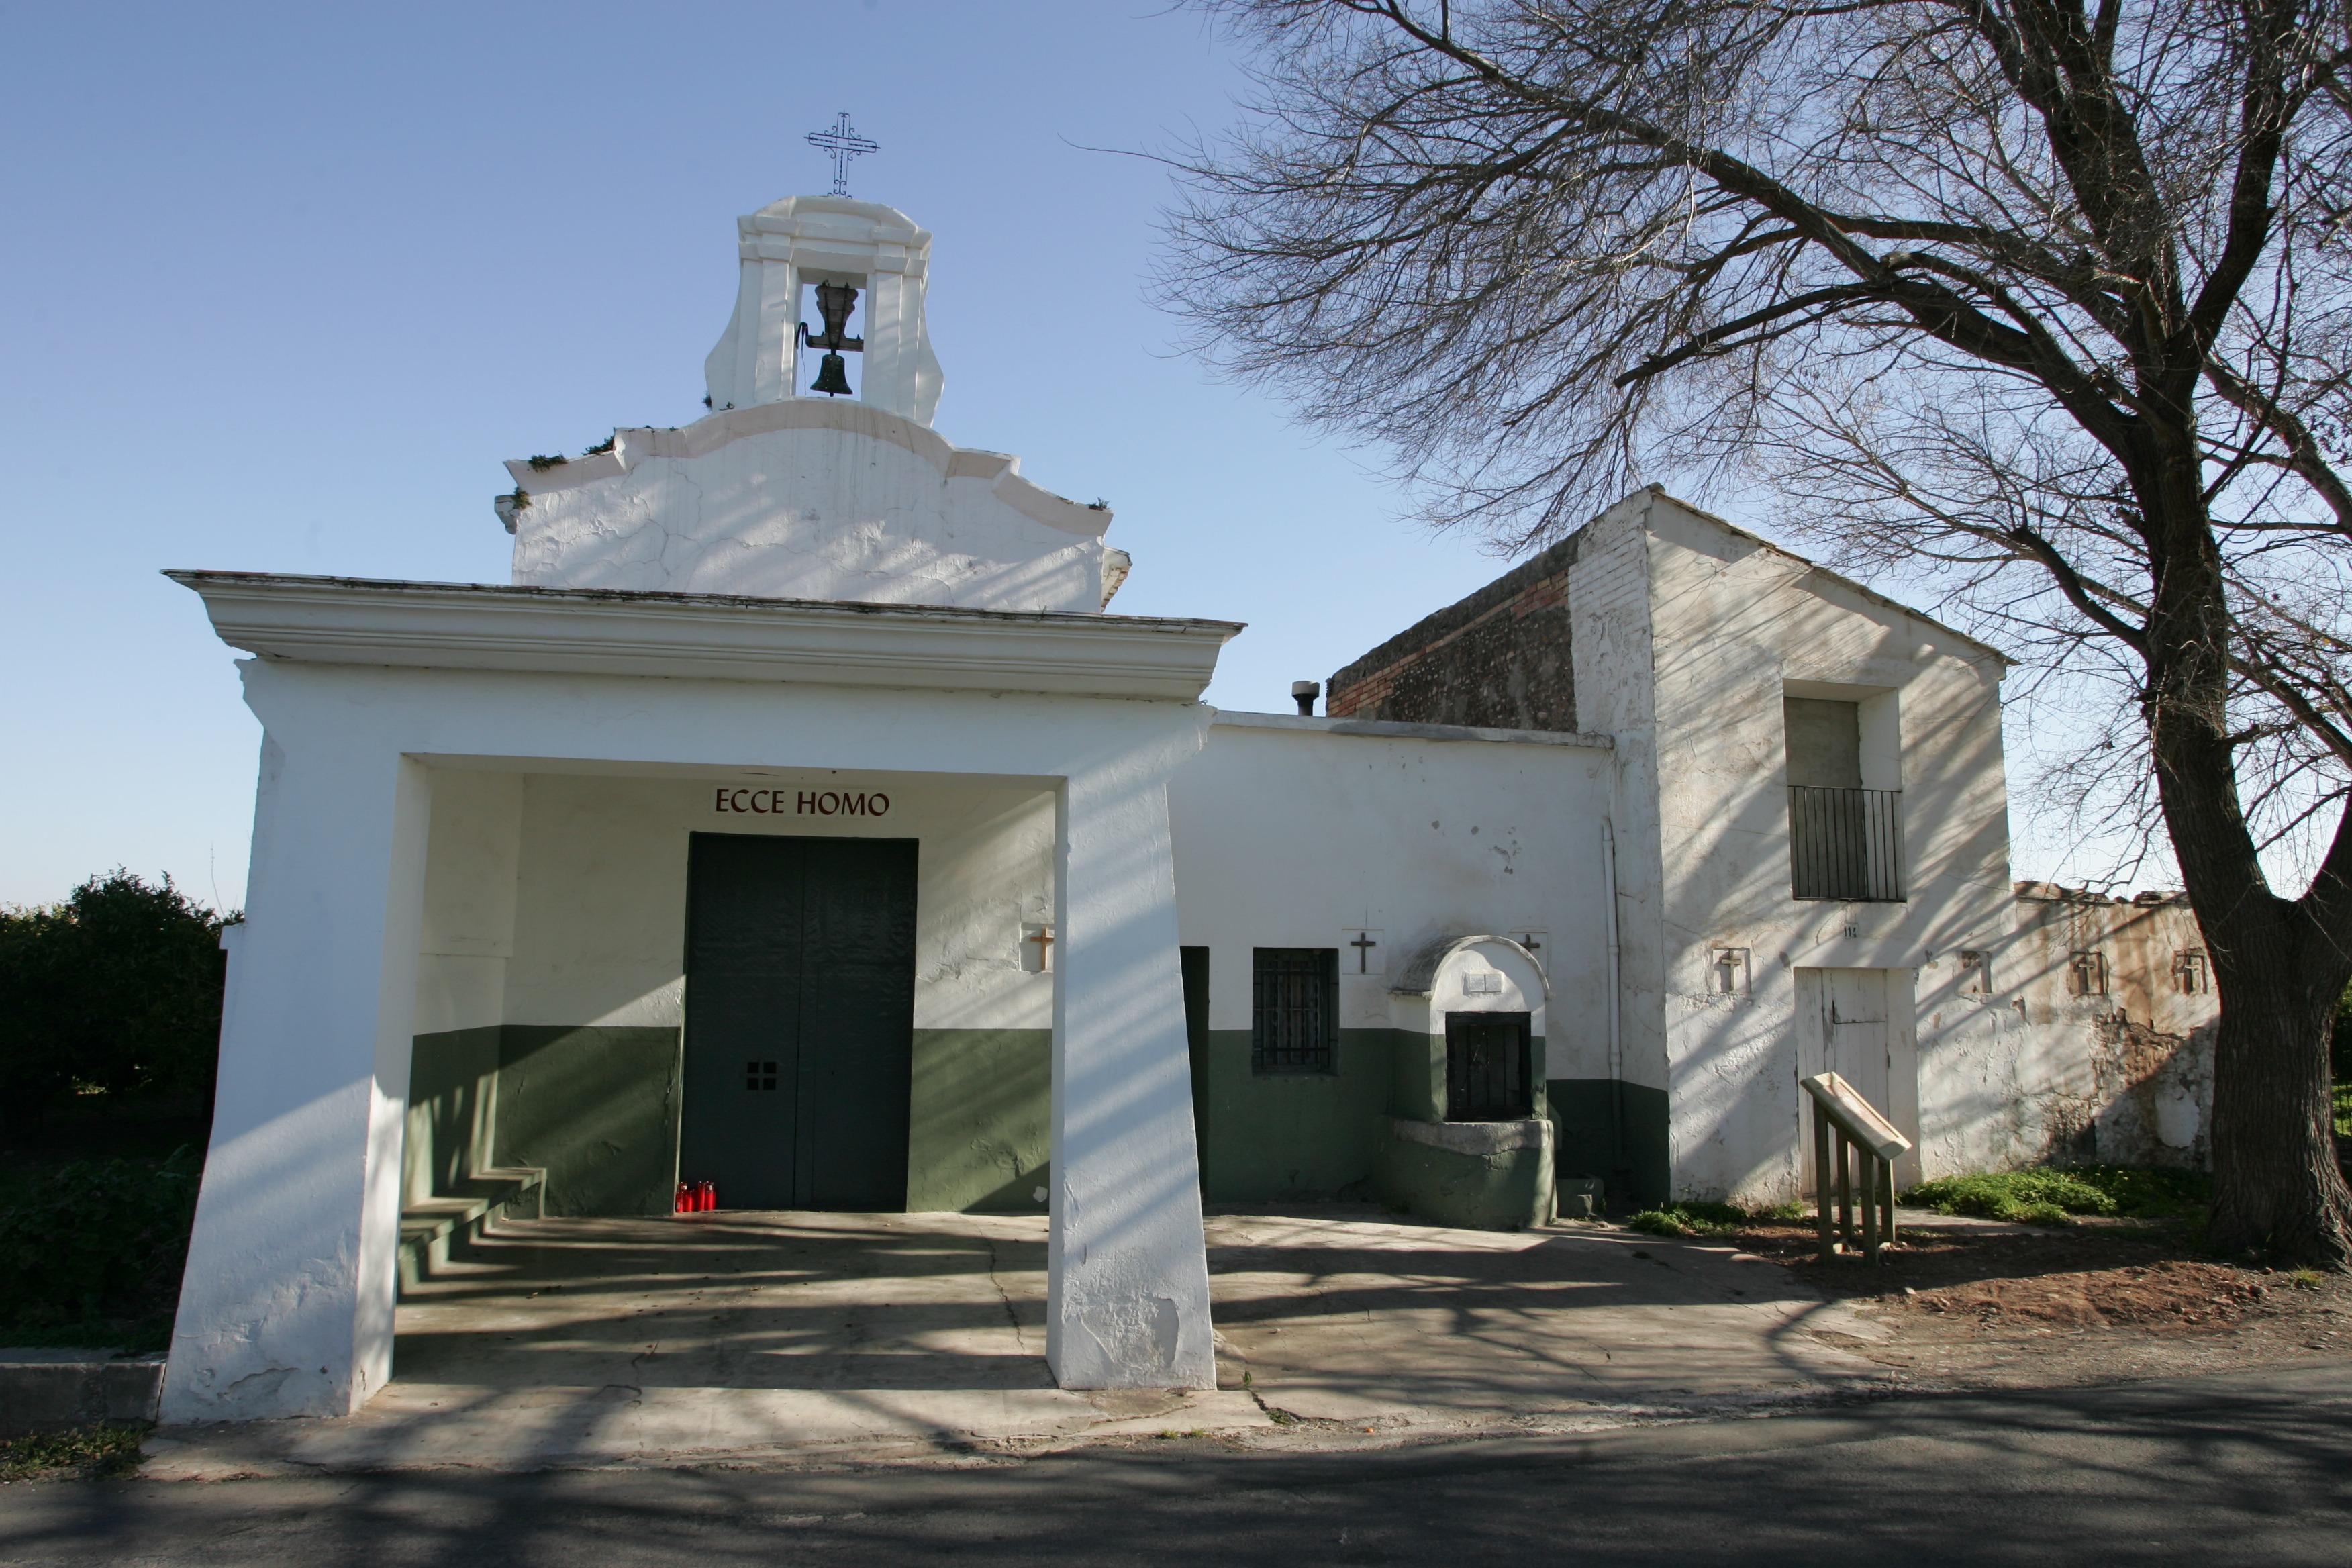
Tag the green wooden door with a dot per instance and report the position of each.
(800, 1004)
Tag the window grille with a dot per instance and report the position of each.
(1295, 1009)
(1486, 1067)
(1845, 844)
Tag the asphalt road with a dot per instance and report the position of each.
(2250, 1469)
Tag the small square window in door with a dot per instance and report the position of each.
(758, 1075)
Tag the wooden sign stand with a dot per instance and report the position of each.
(1862, 1138)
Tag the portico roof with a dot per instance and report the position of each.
(575, 631)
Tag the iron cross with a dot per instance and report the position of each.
(1363, 944)
(841, 143)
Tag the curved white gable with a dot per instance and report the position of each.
(810, 498)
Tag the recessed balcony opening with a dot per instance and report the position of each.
(1845, 805)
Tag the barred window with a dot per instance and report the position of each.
(1295, 1009)
(1487, 1061)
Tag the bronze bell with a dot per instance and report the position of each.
(832, 376)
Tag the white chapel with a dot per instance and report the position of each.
(802, 820)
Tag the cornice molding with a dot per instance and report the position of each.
(571, 631)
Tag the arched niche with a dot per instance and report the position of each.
(1469, 1134)
(1453, 981)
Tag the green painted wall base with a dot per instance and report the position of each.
(1478, 1188)
(980, 1125)
(1583, 1111)
(596, 1106)
(1271, 1136)
(453, 1079)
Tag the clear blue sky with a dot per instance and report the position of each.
(285, 284)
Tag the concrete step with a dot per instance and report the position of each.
(430, 1228)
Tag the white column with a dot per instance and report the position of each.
(775, 368)
(287, 1306)
(883, 376)
(1127, 1278)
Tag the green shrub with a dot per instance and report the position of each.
(2050, 1196)
(116, 991)
(93, 1250)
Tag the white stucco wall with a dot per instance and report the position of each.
(1616, 695)
(600, 930)
(1299, 833)
(809, 499)
(471, 862)
(1733, 622)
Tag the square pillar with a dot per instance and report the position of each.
(1126, 1270)
(286, 1305)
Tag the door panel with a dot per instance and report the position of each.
(799, 1020)
(1855, 1030)
(743, 979)
(857, 1014)
(1857, 1023)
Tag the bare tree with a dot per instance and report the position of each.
(2049, 306)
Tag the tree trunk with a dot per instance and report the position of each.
(2278, 1192)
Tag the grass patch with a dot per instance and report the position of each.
(87, 1453)
(2343, 1092)
(2055, 1196)
(1695, 1217)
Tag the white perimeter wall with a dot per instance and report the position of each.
(1291, 833)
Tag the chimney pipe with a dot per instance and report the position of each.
(1304, 693)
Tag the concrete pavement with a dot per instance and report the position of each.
(768, 1338)
(2249, 1469)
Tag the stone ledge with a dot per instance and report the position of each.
(46, 1390)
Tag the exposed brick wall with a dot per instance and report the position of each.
(1497, 659)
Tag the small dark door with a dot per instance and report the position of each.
(1194, 963)
(1486, 1067)
(800, 1008)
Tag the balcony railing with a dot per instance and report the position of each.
(1845, 844)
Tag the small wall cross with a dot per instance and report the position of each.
(1363, 944)
(1044, 937)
